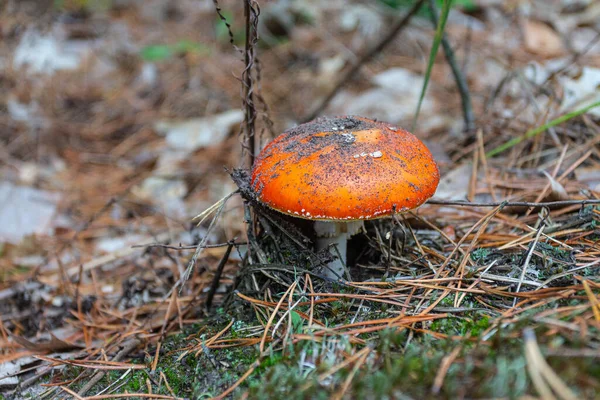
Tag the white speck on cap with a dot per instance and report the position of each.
(375, 154)
(349, 138)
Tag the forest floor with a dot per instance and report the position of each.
(120, 121)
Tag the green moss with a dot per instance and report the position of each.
(401, 361)
(480, 255)
(462, 326)
(398, 370)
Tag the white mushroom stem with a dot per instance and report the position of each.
(334, 235)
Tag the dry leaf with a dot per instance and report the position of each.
(590, 176)
(541, 39)
(24, 211)
(54, 345)
(557, 191)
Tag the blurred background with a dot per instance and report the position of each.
(141, 100)
(118, 119)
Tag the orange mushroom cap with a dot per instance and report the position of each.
(344, 168)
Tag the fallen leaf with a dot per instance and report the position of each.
(54, 345)
(24, 211)
(196, 133)
(394, 98)
(47, 53)
(582, 89)
(10, 370)
(541, 39)
(557, 191)
(455, 184)
(590, 176)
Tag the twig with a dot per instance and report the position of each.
(528, 257)
(251, 13)
(215, 283)
(128, 347)
(549, 204)
(108, 258)
(347, 77)
(229, 390)
(227, 25)
(72, 393)
(133, 395)
(219, 206)
(190, 247)
(569, 272)
(461, 82)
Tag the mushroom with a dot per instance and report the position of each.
(341, 171)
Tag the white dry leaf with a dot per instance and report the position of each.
(536, 73)
(24, 211)
(328, 73)
(455, 184)
(9, 371)
(196, 133)
(47, 53)
(399, 79)
(557, 191)
(165, 193)
(114, 244)
(29, 114)
(458, 19)
(365, 20)
(395, 98)
(583, 40)
(182, 138)
(581, 90)
(589, 176)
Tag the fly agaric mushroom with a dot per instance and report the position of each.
(340, 171)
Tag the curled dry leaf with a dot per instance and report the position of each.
(557, 190)
(54, 345)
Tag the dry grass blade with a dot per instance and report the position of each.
(93, 364)
(443, 370)
(543, 377)
(594, 302)
(344, 363)
(290, 292)
(340, 394)
(72, 393)
(217, 208)
(528, 258)
(230, 390)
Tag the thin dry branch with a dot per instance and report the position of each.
(549, 204)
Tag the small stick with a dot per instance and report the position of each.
(128, 347)
(514, 203)
(190, 247)
(215, 282)
(532, 246)
(251, 16)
